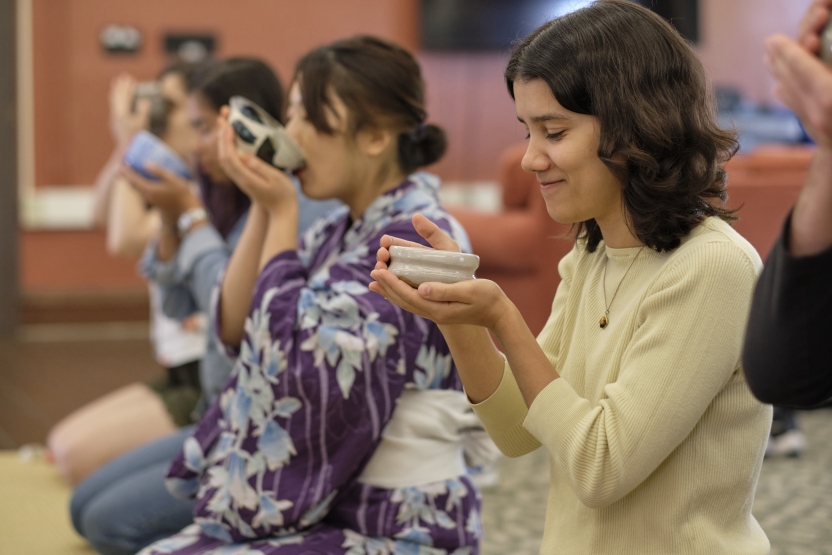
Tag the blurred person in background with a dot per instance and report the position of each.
(138, 413)
(342, 429)
(124, 505)
(787, 349)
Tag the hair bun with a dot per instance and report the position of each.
(421, 147)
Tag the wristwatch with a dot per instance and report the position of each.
(189, 219)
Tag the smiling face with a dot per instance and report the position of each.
(563, 153)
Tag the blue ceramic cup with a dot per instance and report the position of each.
(146, 147)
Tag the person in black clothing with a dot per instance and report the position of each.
(788, 346)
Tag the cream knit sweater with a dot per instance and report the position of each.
(655, 441)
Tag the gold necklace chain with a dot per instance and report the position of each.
(605, 319)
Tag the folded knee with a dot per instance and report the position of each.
(108, 531)
(71, 457)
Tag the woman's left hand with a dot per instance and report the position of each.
(262, 182)
(478, 302)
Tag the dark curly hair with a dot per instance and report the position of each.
(628, 67)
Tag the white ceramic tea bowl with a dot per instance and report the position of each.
(259, 134)
(415, 266)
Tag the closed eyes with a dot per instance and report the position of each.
(549, 136)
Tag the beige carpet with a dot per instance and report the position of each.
(34, 510)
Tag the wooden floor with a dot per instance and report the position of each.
(49, 373)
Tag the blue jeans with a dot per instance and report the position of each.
(124, 506)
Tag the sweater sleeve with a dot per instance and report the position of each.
(686, 349)
(787, 348)
(504, 412)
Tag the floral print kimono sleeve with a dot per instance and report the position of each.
(321, 366)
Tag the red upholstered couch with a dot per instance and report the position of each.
(520, 247)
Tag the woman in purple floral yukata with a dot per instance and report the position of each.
(341, 428)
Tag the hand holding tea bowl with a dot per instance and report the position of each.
(168, 191)
(478, 302)
(261, 182)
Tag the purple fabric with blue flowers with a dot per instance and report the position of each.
(274, 463)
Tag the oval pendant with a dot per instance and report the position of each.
(603, 322)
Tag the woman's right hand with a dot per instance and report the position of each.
(124, 122)
(171, 194)
(804, 84)
(262, 182)
(478, 302)
(812, 25)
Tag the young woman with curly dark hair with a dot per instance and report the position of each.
(634, 386)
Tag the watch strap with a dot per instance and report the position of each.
(188, 219)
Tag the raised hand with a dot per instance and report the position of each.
(813, 22)
(124, 122)
(804, 84)
(262, 182)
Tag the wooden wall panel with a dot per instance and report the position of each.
(76, 261)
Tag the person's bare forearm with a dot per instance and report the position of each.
(103, 187)
(131, 224)
(241, 276)
(479, 363)
(811, 224)
(529, 364)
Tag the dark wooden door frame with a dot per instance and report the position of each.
(8, 170)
